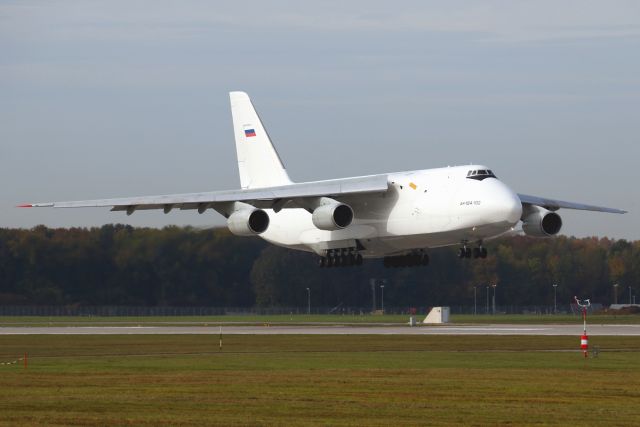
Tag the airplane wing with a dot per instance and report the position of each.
(266, 198)
(554, 205)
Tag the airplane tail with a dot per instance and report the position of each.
(258, 161)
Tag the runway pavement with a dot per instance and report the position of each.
(593, 330)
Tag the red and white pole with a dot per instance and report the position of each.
(584, 339)
(584, 344)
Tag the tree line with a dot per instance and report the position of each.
(183, 266)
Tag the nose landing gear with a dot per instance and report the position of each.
(477, 252)
(464, 252)
(480, 252)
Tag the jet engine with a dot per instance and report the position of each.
(540, 222)
(247, 222)
(332, 216)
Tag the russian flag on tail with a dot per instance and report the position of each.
(249, 133)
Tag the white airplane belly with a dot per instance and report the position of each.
(294, 228)
(286, 226)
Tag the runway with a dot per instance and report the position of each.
(593, 330)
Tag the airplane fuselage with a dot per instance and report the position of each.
(422, 209)
(395, 216)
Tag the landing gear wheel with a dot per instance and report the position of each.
(467, 252)
(424, 260)
(351, 260)
(483, 252)
(476, 252)
(462, 253)
(322, 262)
(359, 259)
(330, 261)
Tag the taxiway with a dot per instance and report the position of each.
(271, 329)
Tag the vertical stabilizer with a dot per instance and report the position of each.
(258, 161)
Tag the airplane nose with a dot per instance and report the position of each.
(513, 208)
(504, 204)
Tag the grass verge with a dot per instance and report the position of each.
(318, 380)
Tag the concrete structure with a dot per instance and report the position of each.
(437, 315)
(623, 306)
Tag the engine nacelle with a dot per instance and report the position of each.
(332, 216)
(540, 222)
(247, 222)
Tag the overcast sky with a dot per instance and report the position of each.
(108, 99)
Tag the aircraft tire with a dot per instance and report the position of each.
(425, 259)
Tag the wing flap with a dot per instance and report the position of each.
(554, 205)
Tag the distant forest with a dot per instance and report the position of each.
(175, 266)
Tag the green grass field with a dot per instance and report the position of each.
(304, 319)
(318, 380)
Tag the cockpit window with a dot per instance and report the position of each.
(481, 174)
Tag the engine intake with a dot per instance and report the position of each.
(334, 216)
(540, 222)
(248, 222)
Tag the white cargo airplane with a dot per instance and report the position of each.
(397, 216)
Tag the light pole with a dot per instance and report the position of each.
(373, 294)
(382, 298)
(475, 306)
(487, 308)
(615, 292)
(494, 299)
(629, 294)
(308, 301)
(555, 305)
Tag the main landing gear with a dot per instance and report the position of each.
(340, 258)
(409, 260)
(467, 252)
